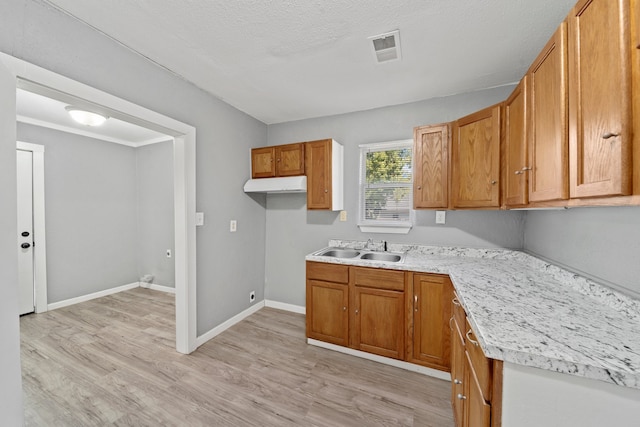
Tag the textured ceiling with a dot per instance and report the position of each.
(286, 60)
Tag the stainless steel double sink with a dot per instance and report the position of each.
(362, 254)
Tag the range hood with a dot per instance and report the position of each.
(288, 184)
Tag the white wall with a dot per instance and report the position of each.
(536, 397)
(154, 203)
(293, 232)
(603, 243)
(90, 204)
(10, 379)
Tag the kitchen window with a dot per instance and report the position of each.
(386, 187)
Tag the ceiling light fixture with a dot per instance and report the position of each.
(87, 118)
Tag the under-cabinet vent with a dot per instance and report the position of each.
(386, 47)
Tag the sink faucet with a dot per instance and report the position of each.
(368, 244)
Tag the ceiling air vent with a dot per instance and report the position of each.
(386, 47)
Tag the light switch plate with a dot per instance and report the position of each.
(441, 217)
(199, 219)
(233, 225)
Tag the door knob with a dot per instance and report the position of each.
(25, 246)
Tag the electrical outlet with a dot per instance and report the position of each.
(252, 297)
(441, 217)
(233, 225)
(199, 219)
(343, 216)
(168, 253)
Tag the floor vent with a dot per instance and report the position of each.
(386, 47)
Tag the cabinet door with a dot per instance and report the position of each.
(431, 314)
(637, 20)
(515, 127)
(379, 322)
(476, 160)
(431, 171)
(547, 138)
(327, 312)
(457, 373)
(262, 162)
(318, 164)
(478, 411)
(599, 99)
(290, 159)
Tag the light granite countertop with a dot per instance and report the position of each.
(530, 312)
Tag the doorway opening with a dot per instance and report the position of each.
(35, 79)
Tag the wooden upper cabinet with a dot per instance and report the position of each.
(515, 147)
(263, 163)
(476, 160)
(547, 130)
(324, 171)
(280, 160)
(637, 23)
(431, 312)
(431, 166)
(599, 99)
(290, 159)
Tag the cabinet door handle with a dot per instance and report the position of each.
(457, 381)
(419, 187)
(608, 135)
(518, 172)
(526, 168)
(415, 302)
(461, 396)
(494, 182)
(450, 325)
(456, 302)
(344, 308)
(356, 311)
(471, 340)
(326, 191)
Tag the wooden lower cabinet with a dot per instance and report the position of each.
(430, 312)
(478, 413)
(476, 381)
(327, 304)
(391, 313)
(457, 373)
(378, 321)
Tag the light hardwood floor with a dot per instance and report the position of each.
(111, 361)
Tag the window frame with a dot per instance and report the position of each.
(382, 226)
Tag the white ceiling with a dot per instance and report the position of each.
(286, 60)
(43, 111)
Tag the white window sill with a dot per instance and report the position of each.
(387, 229)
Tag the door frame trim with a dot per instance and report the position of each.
(184, 178)
(39, 248)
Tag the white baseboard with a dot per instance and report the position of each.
(380, 359)
(284, 306)
(94, 295)
(229, 323)
(154, 287)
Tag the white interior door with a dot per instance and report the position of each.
(26, 299)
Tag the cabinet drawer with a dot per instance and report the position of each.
(481, 365)
(458, 313)
(378, 278)
(328, 272)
